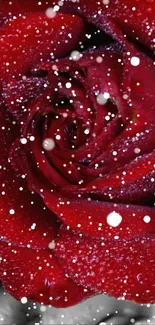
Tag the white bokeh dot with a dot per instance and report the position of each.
(102, 98)
(135, 61)
(68, 85)
(12, 211)
(147, 219)
(24, 300)
(137, 150)
(114, 219)
(51, 245)
(75, 55)
(32, 138)
(106, 2)
(50, 13)
(23, 140)
(48, 144)
(99, 59)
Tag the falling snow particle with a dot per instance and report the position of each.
(43, 309)
(51, 245)
(33, 226)
(135, 61)
(50, 13)
(48, 144)
(114, 219)
(75, 55)
(86, 131)
(23, 141)
(137, 150)
(60, 3)
(32, 138)
(56, 8)
(125, 96)
(102, 98)
(99, 59)
(24, 300)
(68, 85)
(12, 211)
(105, 2)
(147, 219)
(58, 137)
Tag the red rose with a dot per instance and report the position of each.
(77, 149)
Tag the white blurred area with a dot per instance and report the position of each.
(97, 310)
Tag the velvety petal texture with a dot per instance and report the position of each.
(77, 150)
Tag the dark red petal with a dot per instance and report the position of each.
(132, 142)
(18, 94)
(132, 16)
(90, 216)
(45, 167)
(31, 223)
(140, 131)
(38, 38)
(38, 276)
(112, 70)
(116, 267)
(16, 7)
(133, 182)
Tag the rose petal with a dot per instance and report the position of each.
(133, 182)
(24, 219)
(91, 217)
(37, 276)
(16, 7)
(18, 94)
(140, 131)
(131, 16)
(118, 268)
(131, 143)
(34, 33)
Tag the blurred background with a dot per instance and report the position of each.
(101, 310)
